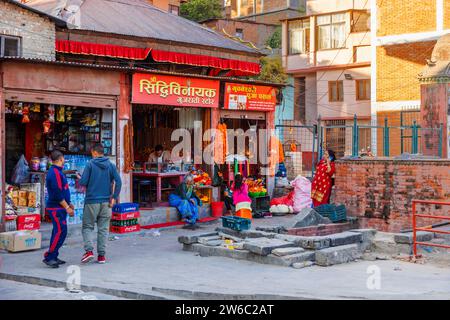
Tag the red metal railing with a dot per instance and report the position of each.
(427, 228)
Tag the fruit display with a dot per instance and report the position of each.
(256, 188)
(204, 198)
(201, 178)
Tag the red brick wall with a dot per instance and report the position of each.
(379, 192)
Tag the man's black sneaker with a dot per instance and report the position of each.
(52, 263)
(60, 261)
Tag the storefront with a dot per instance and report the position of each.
(249, 110)
(167, 111)
(46, 107)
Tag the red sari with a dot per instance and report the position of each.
(322, 183)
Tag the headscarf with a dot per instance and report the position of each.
(189, 188)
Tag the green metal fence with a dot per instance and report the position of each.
(304, 144)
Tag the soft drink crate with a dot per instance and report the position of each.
(29, 226)
(124, 223)
(129, 229)
(28, 218)
(125, 216)
(125, 207)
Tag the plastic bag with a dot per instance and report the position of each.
(21, 172)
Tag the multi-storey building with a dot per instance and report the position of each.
(403, 36)
(171, 6)
(267, 11)
(328, 53)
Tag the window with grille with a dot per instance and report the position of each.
(335, 91)
(9, 46)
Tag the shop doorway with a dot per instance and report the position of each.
(34, 130)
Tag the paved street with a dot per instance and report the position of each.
(147, 267)
(12, 290)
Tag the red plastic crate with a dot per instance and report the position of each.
(125, 216)
(29, 226)
(129, 229)
(28, 218)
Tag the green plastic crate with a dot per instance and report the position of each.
(236, 223)
(332, 212)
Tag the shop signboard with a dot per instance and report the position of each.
(175, 91)
(249, 97)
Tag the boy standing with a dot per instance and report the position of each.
(58, 206)
(103, 186)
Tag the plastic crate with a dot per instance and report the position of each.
(261, 204)
(332, 212)
(125, 216)
(125, 207)
(236, 223)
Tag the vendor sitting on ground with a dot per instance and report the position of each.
(159, 155)
(186, 201)
(241, 199)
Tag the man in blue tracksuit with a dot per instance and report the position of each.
(103, 186)
(57, 207)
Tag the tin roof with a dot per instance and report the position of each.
(134, 18)
(57, 21)
(136, 69)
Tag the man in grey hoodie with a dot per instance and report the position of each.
(103, 184)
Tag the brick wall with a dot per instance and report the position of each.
(446, 14)
(37, 33)
(379, 191)
(253, 32)
(397, 70)
(400, 16)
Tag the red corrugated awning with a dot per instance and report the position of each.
(236, 67)
(239, 67)
(104, 50)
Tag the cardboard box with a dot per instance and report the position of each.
(29, 226)
(16, 241)
(28, 218)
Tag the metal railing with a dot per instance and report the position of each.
(427, 228)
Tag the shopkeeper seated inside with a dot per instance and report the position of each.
(159, 155)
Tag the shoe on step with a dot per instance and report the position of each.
(88, 256)
(60, 261)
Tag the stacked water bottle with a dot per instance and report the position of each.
(77, 163)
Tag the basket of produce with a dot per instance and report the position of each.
(256, 188)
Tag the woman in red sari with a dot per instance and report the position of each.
(322, 183)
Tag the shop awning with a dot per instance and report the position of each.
(104, 50)
(237, 66)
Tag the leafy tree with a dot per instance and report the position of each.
(274, 41)
(272, 70)
(200, 10)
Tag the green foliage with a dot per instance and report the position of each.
(272, 70)
(200, 10)
(274, 41)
